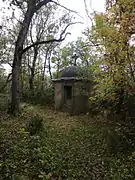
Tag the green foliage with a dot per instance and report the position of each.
(117, 141)
(85, 72)
(68, 148)
(44, 96)
(77, 52)
(113, 71)
(99, 20)
(2, 77)
(35, 125)
(4, 101)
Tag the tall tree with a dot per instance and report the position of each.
(28, 8)
(112, 32)
(44, 26)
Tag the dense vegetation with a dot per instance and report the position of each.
(44, 144)
(36, 142)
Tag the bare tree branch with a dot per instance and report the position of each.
(64, 7)
(10, 64)
(87, 12)
(17, 3)
(72, 23)
(44, 42)
(42, 3)
(61, 38)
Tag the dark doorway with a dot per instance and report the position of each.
(68, 92)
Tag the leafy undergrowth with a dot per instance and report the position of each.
(66, 147)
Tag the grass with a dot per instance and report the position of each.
(68, 147)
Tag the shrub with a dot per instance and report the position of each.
(42, 97)
(35, 125)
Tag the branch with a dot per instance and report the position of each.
(42, 3)
(64, 7)
(44, 42)
(87, 12)
(17, 3)
(63, 32)
(10, 64)
(61, 38)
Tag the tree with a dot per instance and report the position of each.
(112, 32)
(28, 9)
(78, 53)
(44, 26)
(40, 25)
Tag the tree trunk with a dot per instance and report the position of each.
(15, 99)
(58, 68)
(45, 62)
(31, 79)
(32, 7)
(44, 70)
(49, 65)
(32, 69)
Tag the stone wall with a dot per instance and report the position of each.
(80, 94)
(58, 95)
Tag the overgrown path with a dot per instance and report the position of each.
(68, 147)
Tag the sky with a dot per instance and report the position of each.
(79, 6)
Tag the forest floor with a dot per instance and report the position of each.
(67, 147)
